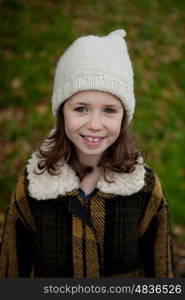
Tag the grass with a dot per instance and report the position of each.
(33, 37)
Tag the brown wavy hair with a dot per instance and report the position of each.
(121, 156)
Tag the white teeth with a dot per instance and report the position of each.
(91, 139)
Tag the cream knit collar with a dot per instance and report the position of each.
(46, 186)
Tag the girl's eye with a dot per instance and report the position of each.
(84, 109)
(81, 109)
(110, 110)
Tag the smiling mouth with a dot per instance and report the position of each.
(94, 139)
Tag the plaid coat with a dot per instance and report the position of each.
(122, 230)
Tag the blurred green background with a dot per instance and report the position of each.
(33, 36)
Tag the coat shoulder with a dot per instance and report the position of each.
(20, 187)
(152, 182)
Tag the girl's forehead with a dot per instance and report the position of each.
(91, 97)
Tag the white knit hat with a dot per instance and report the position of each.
(96, 63)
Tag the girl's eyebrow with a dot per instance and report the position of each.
(104, 105)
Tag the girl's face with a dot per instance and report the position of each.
(92, 122)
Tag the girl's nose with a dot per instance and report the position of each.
(94, 122)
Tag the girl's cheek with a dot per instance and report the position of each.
(74, 125)
(114, 124)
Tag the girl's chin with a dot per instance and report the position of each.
(90, 152)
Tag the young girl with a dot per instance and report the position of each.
(86, 204)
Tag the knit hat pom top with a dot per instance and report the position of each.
(118, 32)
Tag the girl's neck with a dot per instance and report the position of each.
(89, 161)
(89, 182)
